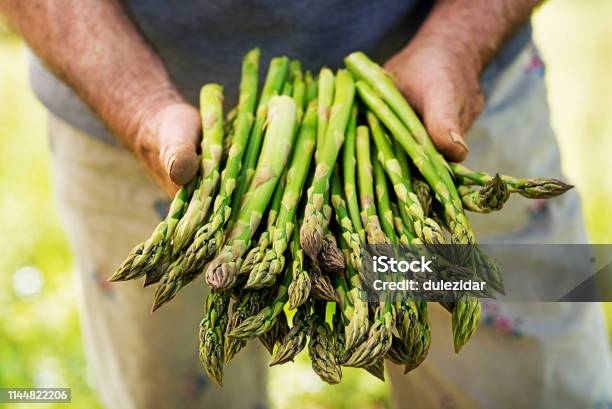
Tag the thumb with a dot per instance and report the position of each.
(179, 132)
(442, 116)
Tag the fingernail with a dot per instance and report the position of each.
(170, 164)
(458, 139)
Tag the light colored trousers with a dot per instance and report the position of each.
(547, 355)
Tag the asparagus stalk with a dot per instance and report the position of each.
(369, 215)
(274, 261)
(383, 200)
(325, 98)
(465, 318)
(321, 286)
(298, 88)
(425, 228)
(331, 259)
(275, 78)
(408, 332)
(212, 330)
(311, 86)
(488, 270)
(222, 270)
(377, 369)
(321, 349)
(423, 193)
(249, 304)
(421, 340)
(265, 319)
(209, 237)
(258, 252)
(461, 231)
(349, 164)
(378, 342)
(211, 106)
(299, 288)
(180, 274)
(367, 70)
(287, 89)
(296, 339)
(404, 164)
(357, 328)
(311, 233)
(404, 236)
(490, 198)
(533, 188)
(349, 236)
(145, 256)
(276, 334)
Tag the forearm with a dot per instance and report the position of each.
(474, 29)
(94, 47)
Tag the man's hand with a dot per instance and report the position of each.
(166, 143)
(94, 47)
(438, 72)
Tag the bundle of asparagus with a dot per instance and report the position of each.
(328, 174)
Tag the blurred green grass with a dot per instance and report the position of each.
(40, 342)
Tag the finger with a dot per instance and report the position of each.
(476, 107)
(442, 115)
(178, 134)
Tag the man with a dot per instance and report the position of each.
(133, 69)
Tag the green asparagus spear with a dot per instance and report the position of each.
(383, 200)
(209, 237)
(534, 188)
(258, 252)
(296, 339)
(423, 193)
(369, 215)
(249, 304)
(419, 347)
(325, 98)
(321, 287)
(349, 164)
(425, 228)
(347, 230)
(461, 231)
(298, 88)
(145, 256)
(311, 86)
(299, 288)
(378, 341)
(211, 106)
(223, 269)
(491, 197)
(275, 78)
(276, 334)
(331, 259)
(321, 349)
(212, 329)
(265, 319)
(466, 315)
(375, 76)
(311, 232)
(274, 261)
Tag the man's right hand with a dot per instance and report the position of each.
(166, 142)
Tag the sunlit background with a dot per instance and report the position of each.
(40, 344)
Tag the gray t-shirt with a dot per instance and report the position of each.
(203, 41)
